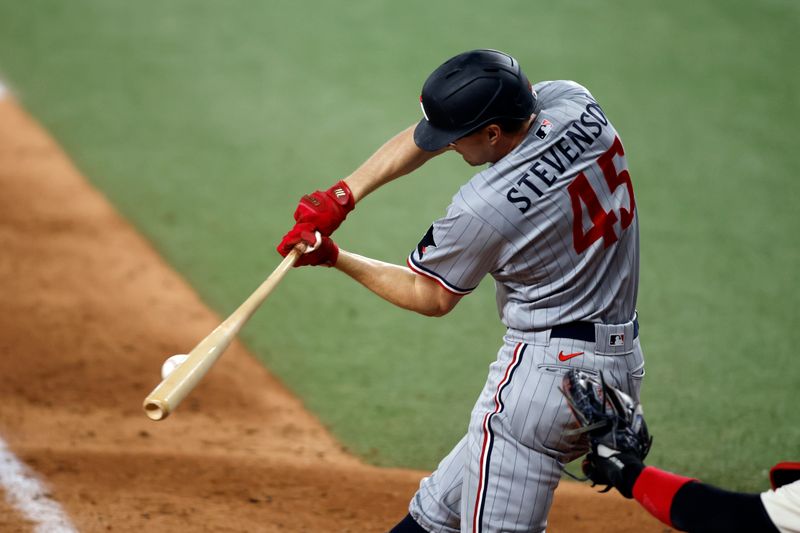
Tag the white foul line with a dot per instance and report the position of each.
(23, 490)
(30, 496)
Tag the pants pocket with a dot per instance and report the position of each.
(555, 368)
(635, 378)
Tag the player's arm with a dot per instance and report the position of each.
(689, 505)
(620, 441)
(399, 156)
(325, 210)
(395, 284)
(680, 502)
(398, 285)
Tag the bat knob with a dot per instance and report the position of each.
(156, 409)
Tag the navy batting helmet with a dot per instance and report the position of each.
(468, 92)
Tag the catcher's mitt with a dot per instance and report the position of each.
(615, 426)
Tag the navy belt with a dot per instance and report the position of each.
(582, 331)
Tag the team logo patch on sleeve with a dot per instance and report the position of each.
(426, 241)
(544, 129)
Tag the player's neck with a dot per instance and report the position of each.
(511, 140)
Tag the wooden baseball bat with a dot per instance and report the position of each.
(172, 390)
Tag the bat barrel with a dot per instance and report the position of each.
(174, 388)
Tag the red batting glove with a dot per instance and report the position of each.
(325, 254)
(324, 251)
(326, 210)
(295, 237)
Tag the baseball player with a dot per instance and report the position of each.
(620, 442)
(553, 220)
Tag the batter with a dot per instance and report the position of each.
(553, 220)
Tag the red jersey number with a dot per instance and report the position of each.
(582, 195)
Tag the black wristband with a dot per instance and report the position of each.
(630, 473)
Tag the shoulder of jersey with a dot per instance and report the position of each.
(558, 86)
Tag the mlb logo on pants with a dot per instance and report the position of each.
(616, 340)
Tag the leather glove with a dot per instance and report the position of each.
(320, 251)
(605, 466)
(325, 210)
(616, 428)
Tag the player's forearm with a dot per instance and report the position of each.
(397, 157)
(689, 505)
(395, 284)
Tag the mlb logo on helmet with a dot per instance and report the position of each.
(616, 340)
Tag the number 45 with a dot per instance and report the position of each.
(581, 194)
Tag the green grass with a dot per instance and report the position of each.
(205, 121)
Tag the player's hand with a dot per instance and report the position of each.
(605, 466)
(326, 210)
(320, 250)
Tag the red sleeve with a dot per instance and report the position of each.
(783, 474)
(655, 489)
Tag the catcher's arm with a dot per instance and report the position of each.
(620, 442)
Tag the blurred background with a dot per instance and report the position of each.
(204, 122)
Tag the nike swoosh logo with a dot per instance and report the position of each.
(566, 357)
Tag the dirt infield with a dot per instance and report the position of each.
(89, 311)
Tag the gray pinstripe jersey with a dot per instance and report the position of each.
(554, 222)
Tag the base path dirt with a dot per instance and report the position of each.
(88, 312)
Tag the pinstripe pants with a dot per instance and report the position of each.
(502, 474)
